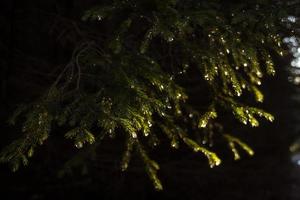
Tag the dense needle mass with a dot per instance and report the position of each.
(128, 77)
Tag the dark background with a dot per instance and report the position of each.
(36, 37)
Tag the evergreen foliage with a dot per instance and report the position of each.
(128, 78)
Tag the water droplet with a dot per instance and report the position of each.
(134, 135)
(206, 76)
(99, 18)
(79, 145)
(245, 64)
(203, 124)
(196, 149)
(174, 144)
(259, 74)
(146, 133)
(191, 115)
(170, 39)
(260, 113)
(30, 152)
(292, 19)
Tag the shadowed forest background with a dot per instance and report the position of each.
(36, 40)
